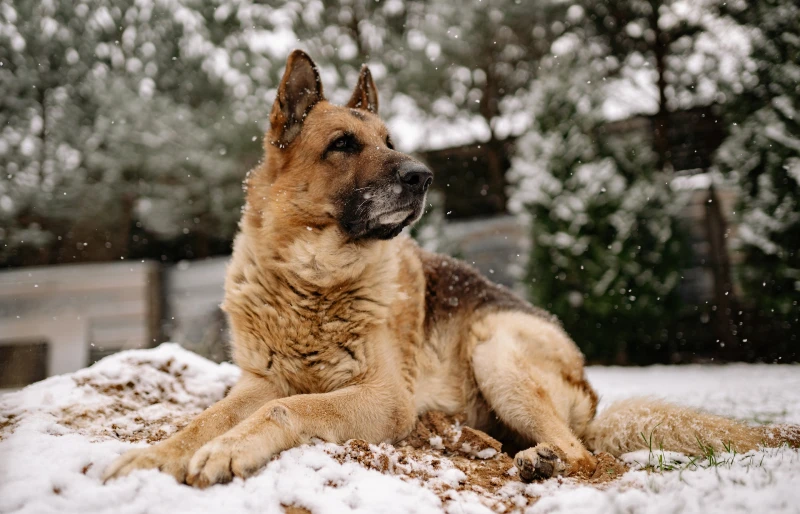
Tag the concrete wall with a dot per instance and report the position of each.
(80, 310)
(493, 245)
(699, 284)
(193, 291)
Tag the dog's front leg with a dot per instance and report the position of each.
(366, 411)
(172, 456)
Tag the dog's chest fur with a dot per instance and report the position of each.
(317, 340)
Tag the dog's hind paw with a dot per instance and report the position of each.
(541, 462)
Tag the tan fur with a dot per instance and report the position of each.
(520, 363)
(646, 423)
(341, 338)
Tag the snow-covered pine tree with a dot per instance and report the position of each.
(762, 153)
(113, 106)
(605, 252)
(467, 64)
(656, 41)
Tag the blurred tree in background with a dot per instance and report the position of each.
(651, 41)
(607, 252)
(479, 59)
(126, 121)
(762, 155)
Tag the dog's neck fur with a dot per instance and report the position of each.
(317, 258)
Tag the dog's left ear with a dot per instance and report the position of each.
(299, 92)
(365, 95)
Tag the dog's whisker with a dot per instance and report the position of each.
(362, 204)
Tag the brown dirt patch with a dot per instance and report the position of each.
(137, 406)
(608, 469)
(7, 424)
(132, 430)
(293, 509)
(439, 443)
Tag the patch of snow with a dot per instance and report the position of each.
(415, 130)
(697, 181)
(486, 453)
(764, 483)
(57, 436)
(634, 93)
(793, 169)
(641, 459)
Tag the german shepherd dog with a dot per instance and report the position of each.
(345, 329)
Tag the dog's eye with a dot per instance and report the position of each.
(346, 143)
(389, 143)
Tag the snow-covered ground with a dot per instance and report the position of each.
(57, 436)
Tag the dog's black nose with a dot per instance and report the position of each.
(415, 175)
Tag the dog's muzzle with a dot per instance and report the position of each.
(382, 209)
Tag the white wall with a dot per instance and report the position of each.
(75, 308)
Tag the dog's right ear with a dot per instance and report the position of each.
(299, 92)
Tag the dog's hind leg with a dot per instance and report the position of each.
(518, 362)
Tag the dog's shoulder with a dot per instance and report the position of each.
(453, 288)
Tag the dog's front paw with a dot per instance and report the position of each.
(541, 462)
(161, 457)
(220, 460)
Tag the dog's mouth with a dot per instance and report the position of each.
(394, 218)
(389, 224)
(384, 224)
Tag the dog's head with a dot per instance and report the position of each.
(335, 166)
